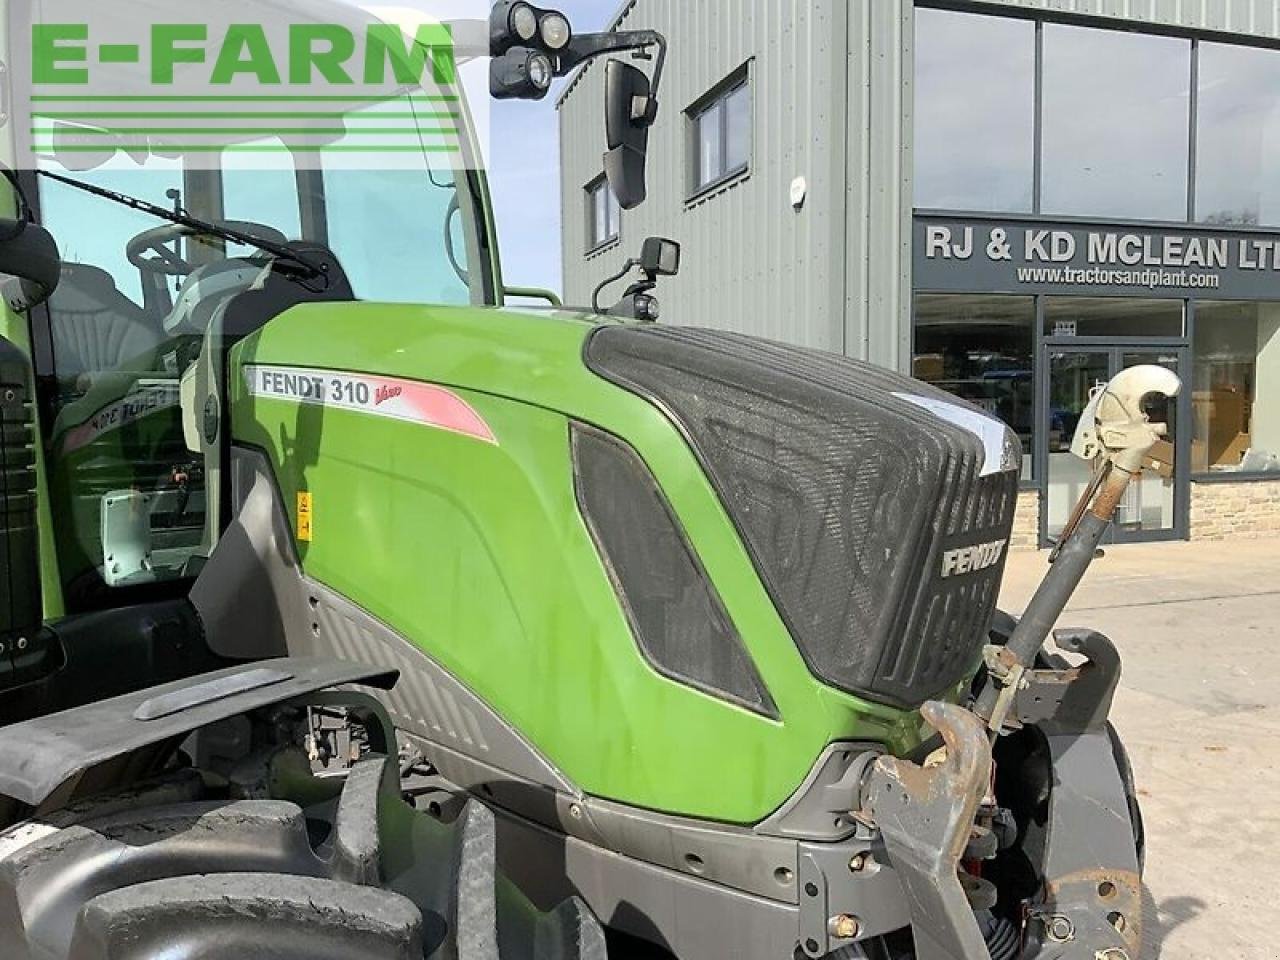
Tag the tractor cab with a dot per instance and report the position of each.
(126, 429)
(184, 217)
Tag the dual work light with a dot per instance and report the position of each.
(526, 43)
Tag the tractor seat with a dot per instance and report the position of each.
(96, 329)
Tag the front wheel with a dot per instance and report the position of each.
(171, 870)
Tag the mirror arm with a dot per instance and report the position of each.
(590, 45)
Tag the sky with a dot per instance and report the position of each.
(524, 170)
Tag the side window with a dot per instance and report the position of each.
(721, 133)
(604, 215)
(126, 494)
(65, 211)
(402, 230)
(372, 213)
(262, 187)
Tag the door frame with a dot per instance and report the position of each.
(1115, 348)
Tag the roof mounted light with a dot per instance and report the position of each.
(540, 70)
(555, 30)
(521, 73)
(523, 20)
(518, 23)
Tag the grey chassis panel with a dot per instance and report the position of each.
(690, 917)
(819, 809)
(248, 593)
(255, 568)
(731, 863)
(39, 756)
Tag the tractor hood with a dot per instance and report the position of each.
(877, 509)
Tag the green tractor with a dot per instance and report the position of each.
(349, 614)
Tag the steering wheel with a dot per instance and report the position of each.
(165, 261)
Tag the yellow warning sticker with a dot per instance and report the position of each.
(304, 516)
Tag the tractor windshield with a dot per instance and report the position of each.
(140, 300)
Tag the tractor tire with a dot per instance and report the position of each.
(165, 872)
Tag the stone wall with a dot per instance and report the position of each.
(1219, 511)
(1235, 511)
(1026, 522)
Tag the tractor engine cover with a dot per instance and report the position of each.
(877, 509)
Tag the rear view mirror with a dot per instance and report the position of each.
(531, 46)
(30, 265)
(80, 148)
(660, 258)
(630, 109)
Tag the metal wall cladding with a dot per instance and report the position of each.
(751, 262)
(832, 101)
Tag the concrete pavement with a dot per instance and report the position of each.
(1198, 626)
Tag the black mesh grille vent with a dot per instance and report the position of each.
(848, 496)
(675, 613)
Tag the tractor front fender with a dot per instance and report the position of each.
(1090, 906)
(45, 758)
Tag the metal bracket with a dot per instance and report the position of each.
(814, 909)
(1064, 699)
(925, 816)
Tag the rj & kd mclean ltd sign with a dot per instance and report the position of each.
(970, 256)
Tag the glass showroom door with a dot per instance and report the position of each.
(1151, 509)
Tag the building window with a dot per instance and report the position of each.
(1117, 124)
(604, 215)
(980, 348)
(721, 133)
(1113, 317)
(1238, 114)
(974, 112)
(1236, 396)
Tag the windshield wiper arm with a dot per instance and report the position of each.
(279, 250)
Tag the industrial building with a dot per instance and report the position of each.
(1013, 200)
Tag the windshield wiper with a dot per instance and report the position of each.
(280, 251)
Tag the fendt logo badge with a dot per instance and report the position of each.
(984, 556)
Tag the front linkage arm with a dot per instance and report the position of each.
(1116, 435)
